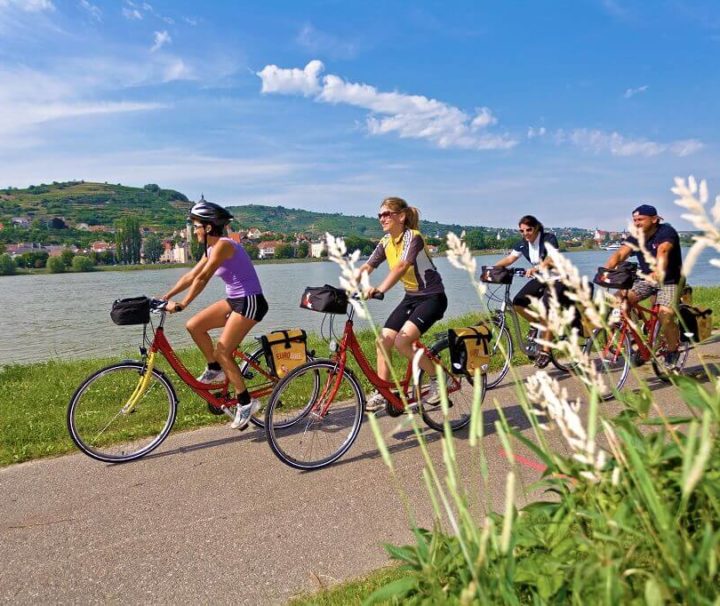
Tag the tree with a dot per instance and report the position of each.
(56, 265)
(153, 248)
(7, 265)
(284, 251)
(128, 240)
(252, 250)
(67, 256)
(475, 239)
(303, 249)
(82, 263)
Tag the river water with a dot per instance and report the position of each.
(47, 316)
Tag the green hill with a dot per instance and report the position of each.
(291, 220)
(95, 204)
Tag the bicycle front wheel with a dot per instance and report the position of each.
(111, 419)
(314, 415)
(460, 390)
(501, 352)
(610, 355)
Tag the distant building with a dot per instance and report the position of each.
(100, 246)
(266, 250)
(23, 222)
(254, 233)
(317, 248)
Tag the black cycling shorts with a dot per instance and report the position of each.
(252, 307)
(422, 310)
(534, 288)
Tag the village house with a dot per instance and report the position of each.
(100, 246)
(266, 250)
(317, 248)
(254, 233)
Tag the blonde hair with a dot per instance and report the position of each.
(397, 205)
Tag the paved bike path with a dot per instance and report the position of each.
(213, 516)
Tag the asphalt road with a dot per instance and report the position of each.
(213, 516)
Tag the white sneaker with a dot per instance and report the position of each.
(375, 402)
(433, 393)
(243, 414)
(212, 376)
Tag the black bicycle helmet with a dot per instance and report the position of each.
(209, 212)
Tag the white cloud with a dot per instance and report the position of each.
(177, 70)
(631, 92)
(408, 116)
(536, 132)
(132, 14)
(161, 39)
(94, 11)
(292, 81)
(29, 6)
(618, 145)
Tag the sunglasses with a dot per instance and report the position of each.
(385, 214)
(196, 226)
(526, 230)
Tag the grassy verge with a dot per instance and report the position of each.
(34, 397)
(351, 593)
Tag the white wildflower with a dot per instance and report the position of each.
(694, 198)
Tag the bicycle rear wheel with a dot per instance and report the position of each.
(314, 415)
(501, 352)
(460, 390)
(106, 426)
(659, 364)
(610, 355)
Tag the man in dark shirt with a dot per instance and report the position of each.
(661, 242)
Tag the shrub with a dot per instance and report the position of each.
(56, 265)
(82, 263)
(7, 265)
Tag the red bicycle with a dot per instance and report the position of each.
(636, 338)
(124, 411)
(315, 412)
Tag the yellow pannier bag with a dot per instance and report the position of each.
(285, 349)
(696, 323)
(469, 348)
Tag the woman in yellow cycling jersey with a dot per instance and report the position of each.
(403, 247)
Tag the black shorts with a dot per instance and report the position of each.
(422, 310)
(534, 288)
(252, 307)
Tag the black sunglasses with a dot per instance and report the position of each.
(385, 214)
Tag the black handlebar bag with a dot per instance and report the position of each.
(469, 349)
(127, 312)
(496, 275)
(622, 277)
(325, 299)
(696, 323)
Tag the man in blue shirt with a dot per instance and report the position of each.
(662, 243)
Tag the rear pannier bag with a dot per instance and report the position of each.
(126, 312)
(285, 350)
(695, 323)
(623, 276)
(496, 275)
(325, 299)
(469, 348)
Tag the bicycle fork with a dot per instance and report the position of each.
(141, 386)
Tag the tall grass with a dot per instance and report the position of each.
(634, 513)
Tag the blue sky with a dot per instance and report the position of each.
(476, 112)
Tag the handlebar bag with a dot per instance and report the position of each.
(325, 299)
(696, 323)
(623, 276)
(496, 275)
(469, 348)
(126, 312)
(285, 350)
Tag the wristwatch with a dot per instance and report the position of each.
(179, 307)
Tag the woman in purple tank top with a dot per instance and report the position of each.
(243, 308)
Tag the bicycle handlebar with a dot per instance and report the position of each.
(158, 305)
(377, 295)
